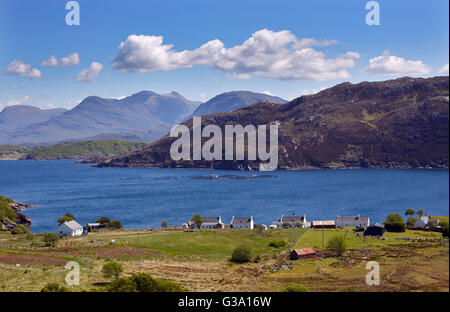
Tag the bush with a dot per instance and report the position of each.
(50, 239)
(409, 212)
(278, 243)
(164, 224)
(114, 224)
(241, 254)
(67, 217)
(295, 288)
(112, 269)
(103, 221)
(198, 220)
(287, 225)
(349, 289)
(20, 229)
(395, 223)
(299, 224)
(411, 221)
(54, 287)
(143, 282)
(337, 244)
(444, 227)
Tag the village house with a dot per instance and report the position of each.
(423, 221)
(210, 223)
(242, 223)
(69, 228)
(292, 220)
(354, 221)
(305, 253)
(375, 230)
(329, 224)
(189, 225)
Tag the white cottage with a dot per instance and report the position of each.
(292, 220)
(211, 223)
(69, 228)
(242, 223)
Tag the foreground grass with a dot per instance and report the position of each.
(197, 260)
(410, 261)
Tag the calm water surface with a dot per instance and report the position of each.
(144, 197)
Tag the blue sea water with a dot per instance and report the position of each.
(141, 197)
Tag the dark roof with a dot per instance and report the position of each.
(241, 220)
(352, 219)
(292, 219)
(211, 219)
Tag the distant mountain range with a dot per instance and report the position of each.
(402, 123)
(229, 101)
(144, 116)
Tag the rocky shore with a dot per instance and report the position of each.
(8, 225)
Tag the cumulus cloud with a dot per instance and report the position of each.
(443, 70)
(22, 101)
(391, 65)
(270, 54)
(20, 68)
(71, 60)
(89, 74)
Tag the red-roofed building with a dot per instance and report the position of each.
(305, 253)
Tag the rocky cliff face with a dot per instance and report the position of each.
(402, 123)
(7, 225)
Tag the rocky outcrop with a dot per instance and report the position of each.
(7, 225)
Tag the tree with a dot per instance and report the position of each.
(66, 218)
(20, 229)
(241, 254)
(337, 244)
(198, 220)
(50, 239)
(143, 282)
(420, 212)
(411, 221)
(54, 287)
(295, 288)
(409, 212)
(394, 223)
(112, 269)
(164, 224)
(103, 221)
(114, 224)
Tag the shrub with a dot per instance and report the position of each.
(337, 244)
(164, 224)
(241, 254)
(299, 224)
(444, 227)
(349, 289)
(257, 259)
(112, 269)
(411, 221)
(103, 220)
(114, 224)
(278, 243)
(54, 287)
(395, 223)
(67, 217)
(198, 220)
(20, 229)
(50, 239)
(143, 282)
(287, 225)
(295, 288)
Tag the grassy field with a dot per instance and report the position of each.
(199, 260)
(410, 261)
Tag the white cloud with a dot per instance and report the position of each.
(20, 68)
(312, 91)
(277, 55)
(443, 70)
(22, 101)
(391, 65)
(89, 74)
(71, 60)
(15, 86)
(268, 93)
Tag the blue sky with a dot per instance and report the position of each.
(411, 40)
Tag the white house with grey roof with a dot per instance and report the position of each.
(293, 220)
(242, 223)
(210, 223)
(69, 228)
(356, 221)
